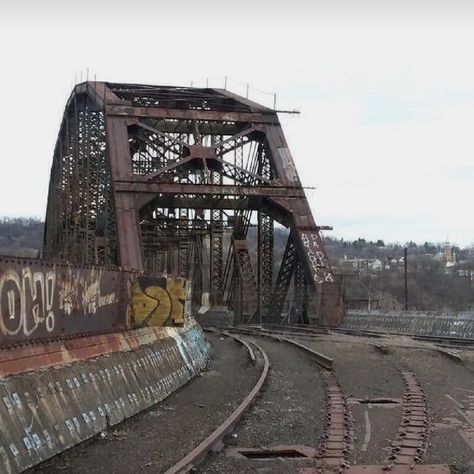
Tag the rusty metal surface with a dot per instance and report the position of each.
(417, 469)
(41, 300)
(321, 359)
(410, 444)
(49, 301)
(336, 443)
(129, 164)
(280, 450)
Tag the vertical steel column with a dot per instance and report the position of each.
(197, 272)
(283, 280)
(264, 242)
(183, 244)
(129, 238)
(265, 264)
(299, 294)
(216, 251)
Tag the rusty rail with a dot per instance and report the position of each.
(312, 331)
(196, 456)
(321, 359)
(336, 442)
(410, 443)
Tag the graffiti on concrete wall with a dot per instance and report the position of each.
(158, 301)
(316, 257)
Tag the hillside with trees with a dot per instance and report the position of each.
(21, 236)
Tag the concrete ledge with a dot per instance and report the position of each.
(46, 411)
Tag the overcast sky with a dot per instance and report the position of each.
(385, 90)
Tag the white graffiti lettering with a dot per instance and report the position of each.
(29, 301)
(79, 293)
(317, 259)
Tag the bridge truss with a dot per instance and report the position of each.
(190, 182)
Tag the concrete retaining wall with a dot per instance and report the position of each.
(47, 411)
(459, 325)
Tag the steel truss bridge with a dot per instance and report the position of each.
(190, 182)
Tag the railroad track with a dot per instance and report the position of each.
(335, 446)
(333, 452)
(311, 331)
(194, 457)
(336, 440)
(336, 443)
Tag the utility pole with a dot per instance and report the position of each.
(406, 279)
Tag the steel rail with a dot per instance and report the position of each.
(197, 455)
(310, 331)
(321, 359)
(290, 332)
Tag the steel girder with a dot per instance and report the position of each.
(169, 178)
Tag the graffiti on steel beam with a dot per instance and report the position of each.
(29, 301)
(46, 300)
(158, 301)
(288, 164)
(317, 258)
(77, 292)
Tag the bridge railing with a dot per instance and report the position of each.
(457, 325)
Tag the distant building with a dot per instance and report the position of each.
(360, 265)
(394, 263)
(447, 255)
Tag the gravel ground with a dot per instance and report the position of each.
(152, 441)
(290, 411)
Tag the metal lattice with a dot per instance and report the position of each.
(187, 181)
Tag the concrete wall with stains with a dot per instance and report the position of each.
(43, 413)
(459, 325)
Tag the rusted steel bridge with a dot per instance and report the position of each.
(190, 182)
(162, 209)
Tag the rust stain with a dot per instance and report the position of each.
(27, 358)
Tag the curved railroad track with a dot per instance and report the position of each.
(194, 457)
(310, 331)
(408, 445)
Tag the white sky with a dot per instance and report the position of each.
(386, 91)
